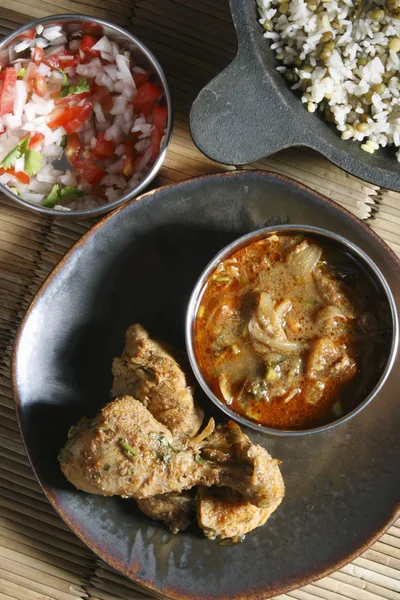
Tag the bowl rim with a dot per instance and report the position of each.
(247, 239)
(110, 206)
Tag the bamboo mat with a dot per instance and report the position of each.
(40, 559)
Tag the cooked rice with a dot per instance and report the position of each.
(344, 57)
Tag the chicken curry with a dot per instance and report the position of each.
(281, 331)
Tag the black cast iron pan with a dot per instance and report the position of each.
(248, 112)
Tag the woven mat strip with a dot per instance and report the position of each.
(386, 222)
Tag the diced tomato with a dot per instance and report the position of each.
(62, 60)
(100, 192)
(40, 85)
(88, 154)
(140, 78)
(100, 91)
(7, 92)
(22, 177)
(37, 55)
(29, 34)
(37, 81)
(53, 61)
(2, 74)
(103, 96)
(107, 104)
(87, 43)
(75, 122)
(160, 117)
(155, 141)
(35, 140)
(31, 74)
(94, 29)
(129, 157)
(68, 60)
(78, 97)
(71, 100)
(73, 147)
(89, 171)
(59, 117)
(104, 148)
(147, 94)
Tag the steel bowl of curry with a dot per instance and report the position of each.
(291, 330)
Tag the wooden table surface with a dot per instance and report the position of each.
(40, 559)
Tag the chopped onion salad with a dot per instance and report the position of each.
(80, 122)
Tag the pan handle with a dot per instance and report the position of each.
(243, 115)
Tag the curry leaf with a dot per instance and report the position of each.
(74, 88)
(58, 194)
(70, 190)
(18, 150)
(53, 197)
(33, 162)
(63, 73)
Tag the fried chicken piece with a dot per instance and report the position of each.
(174, 509)
(226, 512)
(148, 372)
(126, 452)
(223, 513)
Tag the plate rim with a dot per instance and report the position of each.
(171, 592)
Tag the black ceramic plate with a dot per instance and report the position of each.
(248, 112)
(140, 264)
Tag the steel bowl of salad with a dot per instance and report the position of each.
(291, 330)
(85, 116)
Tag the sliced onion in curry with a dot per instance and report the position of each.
(332, 312)
(260, 336)
(304, 262)
(283, 308)
(266, 311)
(225, 391)
(292, 394)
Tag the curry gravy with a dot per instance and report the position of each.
(283, 329)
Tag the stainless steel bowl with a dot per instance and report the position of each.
(144, 58)
(325, 236)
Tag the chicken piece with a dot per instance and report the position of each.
(327, 362)
(164, 391)
(327, 358)
(332, 290)
(174, 509)
(148, 372)
(223, 513)
(126, 452)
